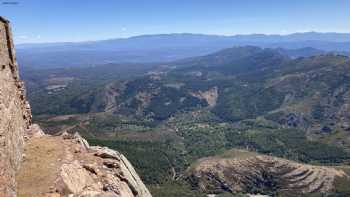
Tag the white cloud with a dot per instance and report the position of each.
(124, 29)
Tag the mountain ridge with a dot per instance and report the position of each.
(168, 48)
(328, 36)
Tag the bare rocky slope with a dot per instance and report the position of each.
(35, 164)
(255, 173)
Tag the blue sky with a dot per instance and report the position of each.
(81, 20)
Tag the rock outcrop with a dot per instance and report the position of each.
(261, 173)
(211, 96)
(15, 116)
(35, 164)
(67, 165)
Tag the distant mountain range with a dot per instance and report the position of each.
(168, 47)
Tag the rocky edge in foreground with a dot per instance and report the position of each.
(35, 164)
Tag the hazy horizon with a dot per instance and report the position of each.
(184, 33)
(37, 21)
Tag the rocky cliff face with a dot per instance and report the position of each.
(14, 113)
(35, 164)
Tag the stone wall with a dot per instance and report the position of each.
(15, 116)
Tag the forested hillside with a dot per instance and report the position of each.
(167, 116)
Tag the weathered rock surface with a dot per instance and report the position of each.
(261, 173)
(35, 164)
(15, 113)
(76, 169)
(35, 131)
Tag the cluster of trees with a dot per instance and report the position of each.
(287, 143)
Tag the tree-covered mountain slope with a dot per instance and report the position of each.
(176, 113)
